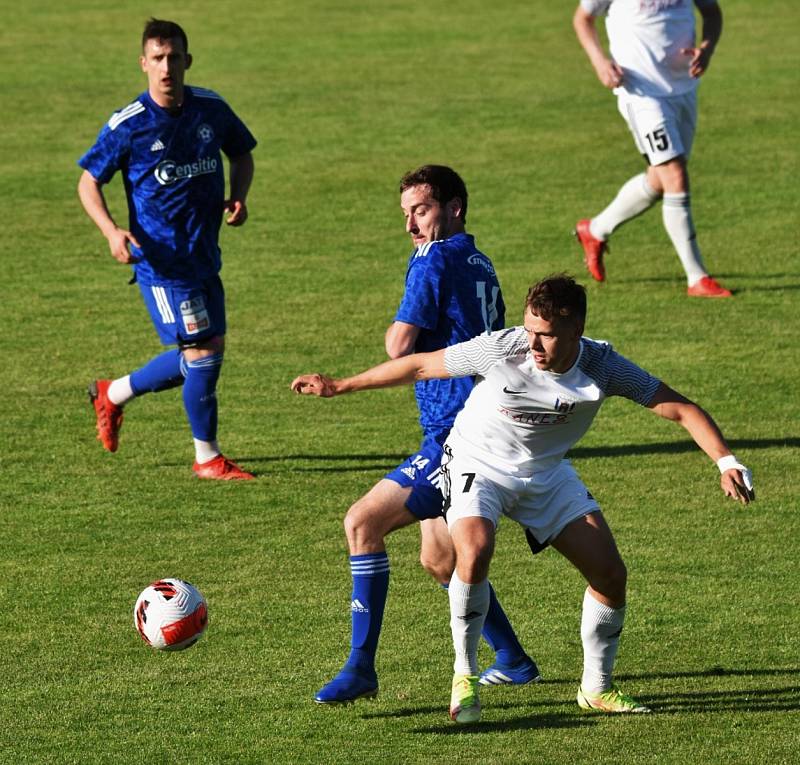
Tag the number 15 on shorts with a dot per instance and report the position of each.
(658, 140)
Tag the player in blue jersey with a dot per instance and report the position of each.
(167, 145)
(451, 295)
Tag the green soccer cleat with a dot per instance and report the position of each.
(613, 700)
(465, 706)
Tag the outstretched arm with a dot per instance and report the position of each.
(736, 481)
(406, 369)
(712, 31)
(608, 71)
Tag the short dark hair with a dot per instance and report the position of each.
(158, 29)
(445, 183)
(557, 296)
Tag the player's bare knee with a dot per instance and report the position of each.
(473, 559)
(611, 581)
(204, 348)
(674, 176)
(439, 567)
(361, 527)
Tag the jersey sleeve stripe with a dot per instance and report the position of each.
(206, 93)
(479, 355)
(124, 114)
(423, 250)
(616, 375)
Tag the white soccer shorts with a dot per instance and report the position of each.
(663, 128)
(545, 502)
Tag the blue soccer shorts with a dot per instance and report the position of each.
(422, 472)
(188, 314)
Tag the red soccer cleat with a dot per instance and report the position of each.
(593, 250)
(221, 469)
(109, 415)
(708, 287)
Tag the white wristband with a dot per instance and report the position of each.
(728, 462)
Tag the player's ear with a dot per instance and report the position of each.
(454, 207)
(143, 63)
(188, 60)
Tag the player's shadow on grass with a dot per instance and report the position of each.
(738, 283)
(750, 699)
(751, 281)
(709, 672)
(785, 698)
(528, 722)
(364, 461)
(524, 721)
(389, 461)
(676, 447)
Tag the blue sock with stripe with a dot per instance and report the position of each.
(499, 634)
(370, 588)
(200, 395)
(160, 373)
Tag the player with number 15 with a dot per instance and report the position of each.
(653, 69)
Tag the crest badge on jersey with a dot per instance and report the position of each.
(205, 133)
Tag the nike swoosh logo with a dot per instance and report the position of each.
(513, 392)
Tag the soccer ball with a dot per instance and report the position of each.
(170, 615)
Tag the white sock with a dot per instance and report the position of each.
(468, 606)
(120, 391)
(205, 450)
(600, 630)
(635, 196)
(677, 213)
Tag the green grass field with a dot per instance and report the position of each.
(344, 98)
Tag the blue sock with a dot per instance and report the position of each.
(200, 396)
(370, 587)
(499, 634)
(160, 373)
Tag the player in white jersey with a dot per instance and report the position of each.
(653, 69)
(542, 385)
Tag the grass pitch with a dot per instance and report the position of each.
(344, 98)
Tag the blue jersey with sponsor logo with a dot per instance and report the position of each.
(174, 180)
(452, 294)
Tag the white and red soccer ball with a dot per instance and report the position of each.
(170, 615)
